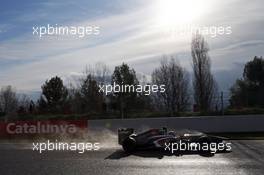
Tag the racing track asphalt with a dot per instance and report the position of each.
(247, 158)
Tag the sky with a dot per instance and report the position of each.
(136, 32)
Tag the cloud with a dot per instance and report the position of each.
(239, 46)
(130, 36)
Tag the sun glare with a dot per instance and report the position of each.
(177, 12)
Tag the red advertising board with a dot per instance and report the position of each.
(42, 127)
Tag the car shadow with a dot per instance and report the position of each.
(119, 154)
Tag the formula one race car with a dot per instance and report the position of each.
(161, 139)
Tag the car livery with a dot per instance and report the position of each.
(161, 139)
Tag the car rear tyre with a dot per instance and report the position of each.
(129, 145)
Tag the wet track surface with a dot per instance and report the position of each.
(247, 158)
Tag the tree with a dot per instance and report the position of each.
(176, 81)
(144, 102)
(24, 103)
(54, 95)
(99, 72)
(84, 96)
(249, 91)
(204, 85)
(75, 100)
(8, 100)
(102, 73)
(92, 99)
(123, 75)
(239, 94)
(254, 72)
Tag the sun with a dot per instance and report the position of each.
(177, 12)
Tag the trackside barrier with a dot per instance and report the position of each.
(241, 123)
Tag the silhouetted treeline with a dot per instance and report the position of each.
(249, 91)
(84, 96)
(87, 98)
